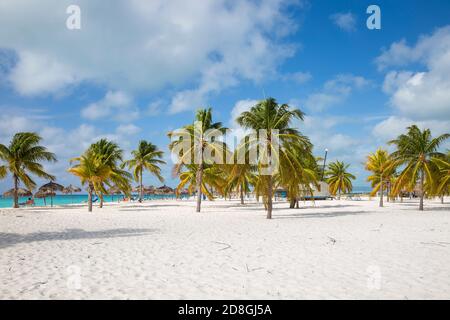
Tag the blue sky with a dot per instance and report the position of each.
(137, 69)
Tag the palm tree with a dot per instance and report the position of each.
(200, 141)
(145, 157)
(22, 157)
(213, 177)
(443, 183)
(240, 177)
(338, 179)
(383, 169)
(98, 167)
(111, 155)
(270, 116)
(298, 173)
(415, 150)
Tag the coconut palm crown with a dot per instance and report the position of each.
(22, 158)
(414, 152)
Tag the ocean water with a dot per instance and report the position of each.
(74, 199)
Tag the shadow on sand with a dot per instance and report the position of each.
(313, 215)
(11, 239)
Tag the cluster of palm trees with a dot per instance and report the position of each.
(102, 166)
(415, 165)
(99, 167)
(298, 170)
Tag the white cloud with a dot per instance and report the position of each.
(36, 73)
(128, 129)
(297, 77)
(335, 91)
(144, 45)
(239, 107)
(115, 104)
(345, 21)
(424, 94)
(393, 126)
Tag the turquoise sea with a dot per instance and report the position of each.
(74, 199)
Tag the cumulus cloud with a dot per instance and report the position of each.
(117, 105)
(335, 91)
(141, 45)
(423, 94)
(393, 126)
(297, 77)
(37, 73)
(345, 21)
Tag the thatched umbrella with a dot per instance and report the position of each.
(21, 192)
(70, 189)
(51, 187)
(165, 189)
(114, 190)
(43, 194)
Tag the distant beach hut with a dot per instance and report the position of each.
(21, 192)
(70, 189)
(51, 188)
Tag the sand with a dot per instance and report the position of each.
(164, 250)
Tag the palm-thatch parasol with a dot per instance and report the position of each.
(43, 194)
(21, 192)
(70, 189)
(114, 190)
(164, 189)
(51, 187)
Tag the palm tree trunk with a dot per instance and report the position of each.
(269, 198)
(198, 182)
(292, 203)
(297, 205)
(141, 189)
(381, 192)
(387, 191)
(101, 201)
(90, 198)
(442, 199)
(16, 187)
(242, 195)
(421, 190)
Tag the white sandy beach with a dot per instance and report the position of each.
(164, 250)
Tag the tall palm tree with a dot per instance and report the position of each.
(415, 149)
(110, 154)
(98, 167)
(200, 141)
(338, 179)
(22, 157)
(146, 157)
(269, 115)
(383, 168)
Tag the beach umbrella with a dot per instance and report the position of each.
(43, 194)
(70, 189)
(165, 189)
(114, 190)
(21, 192)
(51, 187)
